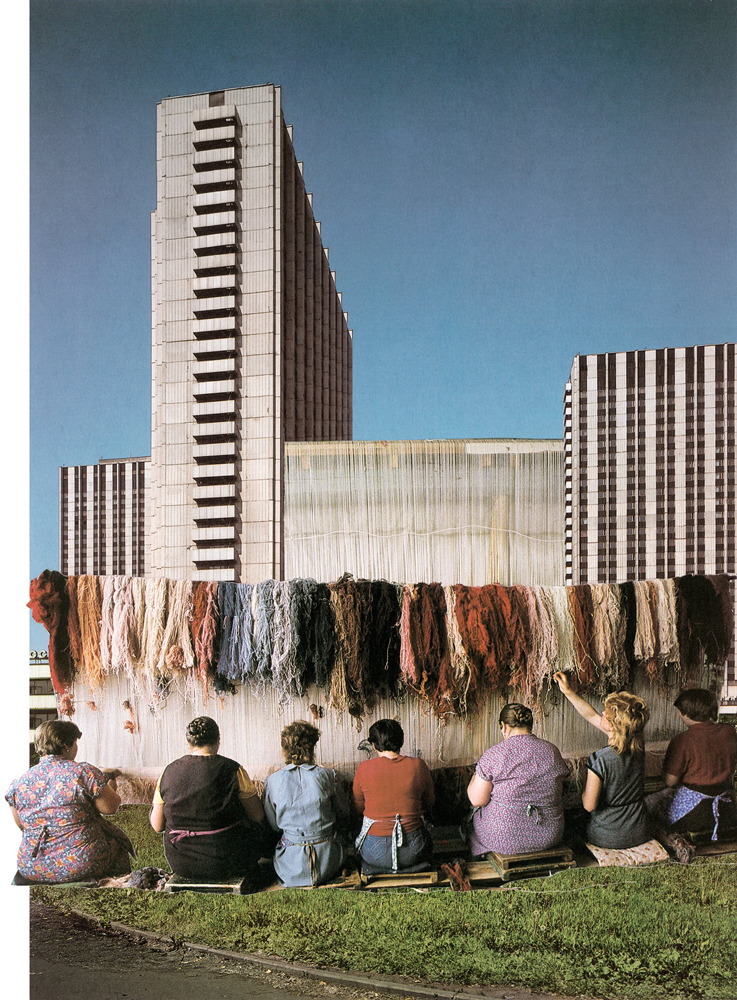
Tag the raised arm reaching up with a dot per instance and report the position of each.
(583, 708)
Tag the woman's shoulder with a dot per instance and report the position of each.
(605, 754)
(226, 761)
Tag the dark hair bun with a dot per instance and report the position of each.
(203, 732)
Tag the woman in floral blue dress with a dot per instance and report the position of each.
(59, 805)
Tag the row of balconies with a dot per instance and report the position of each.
(217, 235)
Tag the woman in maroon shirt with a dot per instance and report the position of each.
(700, 766)
(393, 793)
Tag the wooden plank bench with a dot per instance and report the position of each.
(393, 880)
(239, 885)
(512, 866)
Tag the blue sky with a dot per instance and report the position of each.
(501, 185)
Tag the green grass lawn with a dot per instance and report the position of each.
(660, 931)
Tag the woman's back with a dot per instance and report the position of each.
(300, 800)
(385, 787)
(620, 818)
(525, 809)
(201, 792)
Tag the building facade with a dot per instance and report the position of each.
(250, 344)
(650, 458)
(102, 518)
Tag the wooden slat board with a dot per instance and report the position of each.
(233, 886)
(510, 866)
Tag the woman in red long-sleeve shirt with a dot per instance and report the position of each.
(393, 793)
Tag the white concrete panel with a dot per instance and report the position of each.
(260, 385)
(256, 302)
(257, 281)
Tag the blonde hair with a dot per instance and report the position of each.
(627, 714)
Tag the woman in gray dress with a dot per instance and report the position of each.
(614, 795)
(303, 802)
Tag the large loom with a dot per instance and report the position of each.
(134, 660)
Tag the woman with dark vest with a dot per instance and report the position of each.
(208, 809)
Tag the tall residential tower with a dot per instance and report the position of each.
(250, 345)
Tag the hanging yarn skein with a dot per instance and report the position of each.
(204, 627)
(261, 676)
(108, 587)
(236, 639)
(176, 653)
(89, 612)
(125, 639)
(523, 618)
(543, 649)
(49, 604)
(428, 670)
(351, 602)
(155, 597)
(284, 666)
(702, 631)
(75, 637)
(582, 613)
(384, 642)
(467, 679)
(482, 614)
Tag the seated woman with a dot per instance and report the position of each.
(518, 789)
(209, 810)
(303, 802)
(393, 793)
(700, 765)
(614, 794)
(59, 805)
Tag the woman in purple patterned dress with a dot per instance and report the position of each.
(59, 805)
(518, 790)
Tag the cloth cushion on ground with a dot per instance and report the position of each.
(643, 854)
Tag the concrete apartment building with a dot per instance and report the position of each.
(650, 460)
(250, 345)
(102, 518)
